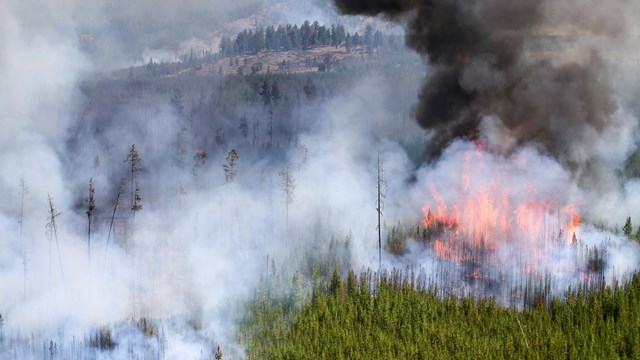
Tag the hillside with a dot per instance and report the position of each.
(290, 61)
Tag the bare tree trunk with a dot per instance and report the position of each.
(53, 232)
(113, 216)
(381, 184)
(90, 207)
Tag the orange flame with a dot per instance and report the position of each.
(482, 217)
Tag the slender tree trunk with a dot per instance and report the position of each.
(25, 269)
(133, 262)
(380, 204)
(89, 242)
(113, 216)
(379, 232)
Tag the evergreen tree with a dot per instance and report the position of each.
(226, 47)
(284, 41)
(348, 42)
(265, 93)
(270, 38)
(368, 39)
(230, 167)
(177, 101)
(627, 229)
(244, 128)
(334, 36)
(258, 41)
(294, 36)
(275, 92)
(306, 34)
(340, 34)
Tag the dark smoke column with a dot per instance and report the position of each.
(505, 58)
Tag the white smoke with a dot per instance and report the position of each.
(201, 245)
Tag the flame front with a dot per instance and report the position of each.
(485, 212)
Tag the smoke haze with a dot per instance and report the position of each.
(539, 66)
(200, 245)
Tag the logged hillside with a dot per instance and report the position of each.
(285, 49)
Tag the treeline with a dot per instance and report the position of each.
(305, 37)
(399, 316)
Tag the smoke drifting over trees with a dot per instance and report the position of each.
(219, 214)
(538, 65)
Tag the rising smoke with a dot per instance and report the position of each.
(530, 77)
(538, 65)
(201, 245)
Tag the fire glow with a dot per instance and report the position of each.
(488, 209)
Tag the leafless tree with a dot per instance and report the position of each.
(381, 185)
(24, 190)
(288, 183)
(91, 204)
(113, 214)
(52, 231)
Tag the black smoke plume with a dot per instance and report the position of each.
(527, 62)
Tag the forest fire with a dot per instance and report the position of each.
(487, 211)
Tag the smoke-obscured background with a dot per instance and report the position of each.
(548, 86)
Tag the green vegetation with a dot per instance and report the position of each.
(308, 35)
(397, 316)
(627, 230)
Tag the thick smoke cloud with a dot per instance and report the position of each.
(538, 65)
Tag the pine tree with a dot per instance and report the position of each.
(230, 167)
(627, 229)
(177, 100)
(244, 128)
